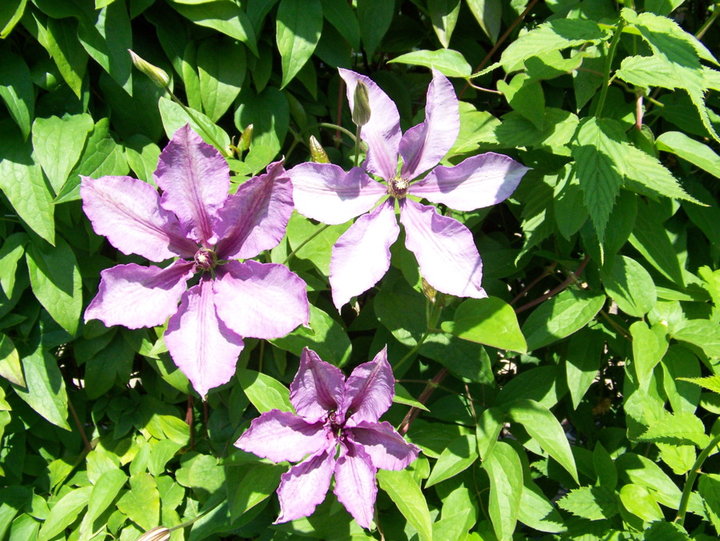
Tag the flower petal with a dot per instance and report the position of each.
(127, 211)
(382, 132)
(199, 342)
(479, 181)
(445, 250)
(424, 145)
(324, 192)
(387, 449)
(303, 487)
(318, 387)
(361, 256)
(135, 296)
(260, 300)
(369, 390)
(355, 485)
(279, 436)
(195, 180)
(255, 217)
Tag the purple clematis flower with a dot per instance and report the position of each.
(336, 431)
(195, 221)
(444, 248)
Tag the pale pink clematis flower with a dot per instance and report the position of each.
(335, 432)
(444, 247)
(194, 220)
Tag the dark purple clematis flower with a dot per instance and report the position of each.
(444, 248)
(195, 221)
(335, 432)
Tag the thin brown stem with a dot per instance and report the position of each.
(572, 277)
(548, 271)
(78, 424)
(189, 418)
(424, 396)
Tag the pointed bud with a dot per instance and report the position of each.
(317, 152)
(361, 109)
(246, 138)
(429, 291)
(160, 533)
(156, 75)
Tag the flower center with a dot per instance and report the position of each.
(397, 187)
(205, 259)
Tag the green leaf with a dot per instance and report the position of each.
(649, 345)
(544, 428)
(298, 28)
(58, 144)
(104, 492)
(447, 61)
(582, 362)
(700, 332)
(592, 503)
(488, 14)
(604, 466)
(251, 484)
(639, 501)
(444, 16)
(22, 182)
(403, 396)
(10, 366)
(221, 75)
(537, 511)
(65, 49)
(561, 316)
(689, 149)
(11, 253)
(488, 321)
(55, 281)
(225, 16)
(10, 14)
(642, 471)
(44, 387)
(343, 18)
(263, 391)
(405, 492)
(142, 502)
(682, 428)
(16, 88)
(712, 383)
(525, 95)
(457, 457)
(504, 469)
(175, 117)
(64, 512)
(629, 285)
(312, 241)
(374, 17)
(709, 489)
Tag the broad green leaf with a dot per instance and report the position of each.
(58, 144)
(446, 61)
(662, 7)
(700, 332)
(476, 127)
(10, 14)
(561, 316)
(689, 149)
(11, 253)
(544, 428)
(488, 321)
(343, 18)
(24, 527)
(403, 396)
(709, 489)
(251, 484)
(225, 16)
(55, 280)
(65, 49)
(44, 387)
(444, 16)
(583, 362)
(142, 502)
(650, 238)
(540, 384)
(525, 95)
(64, 512)
(221, 75)
(639, 501)
(642, 471)
(313, 241)
(457, 457)
(175, 117)
(263, 391)
(374, 17)
(537, 511)
(104, 492)
(298, 27)
(10, 366)
(16, 88)
(201, 471)
(142, 156)
(22, 182)
(592, 503)
(504, 469)
(488, 14)
(677, 429)
(604, 466)
(629, 285)
(405, 492)
(110, 364)
(649, 344)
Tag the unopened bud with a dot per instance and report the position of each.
(429, 291)
(246, 138)
(160, 533)
(317, 152)
(361, 106)
(157, 75)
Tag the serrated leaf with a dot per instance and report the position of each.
(700, 332)
(457, 457)
(629, 285)
(263, 391)
(447, 61)
(405, 492)
(298, 28)
(677, 429)
(712, 383)
(488, 321)
(689, 149)
(504, 469)
(592, 503)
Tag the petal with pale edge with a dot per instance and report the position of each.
(260, 300)
(382, 132)
(127, 211)
(318, 387)
(361, 256)
(255, 217)
(195, 180)
(135, 296)
(424, 145)
(445, 250)
(303, 487)
(369, 390)
(477, 182)
(387, 449)
(200, 344)
(279, 436)
(355, 485)
(324, 192)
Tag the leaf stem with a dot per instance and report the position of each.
(303, 243)
(78, 424)
(690, 482)
(357, 146)
(336, 127)
(572, 277)
(608, 67)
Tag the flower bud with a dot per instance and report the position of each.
(156, 75)
(361, 108)
(429, 291)
(159, 533)
(246, 138)
(317, 152)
